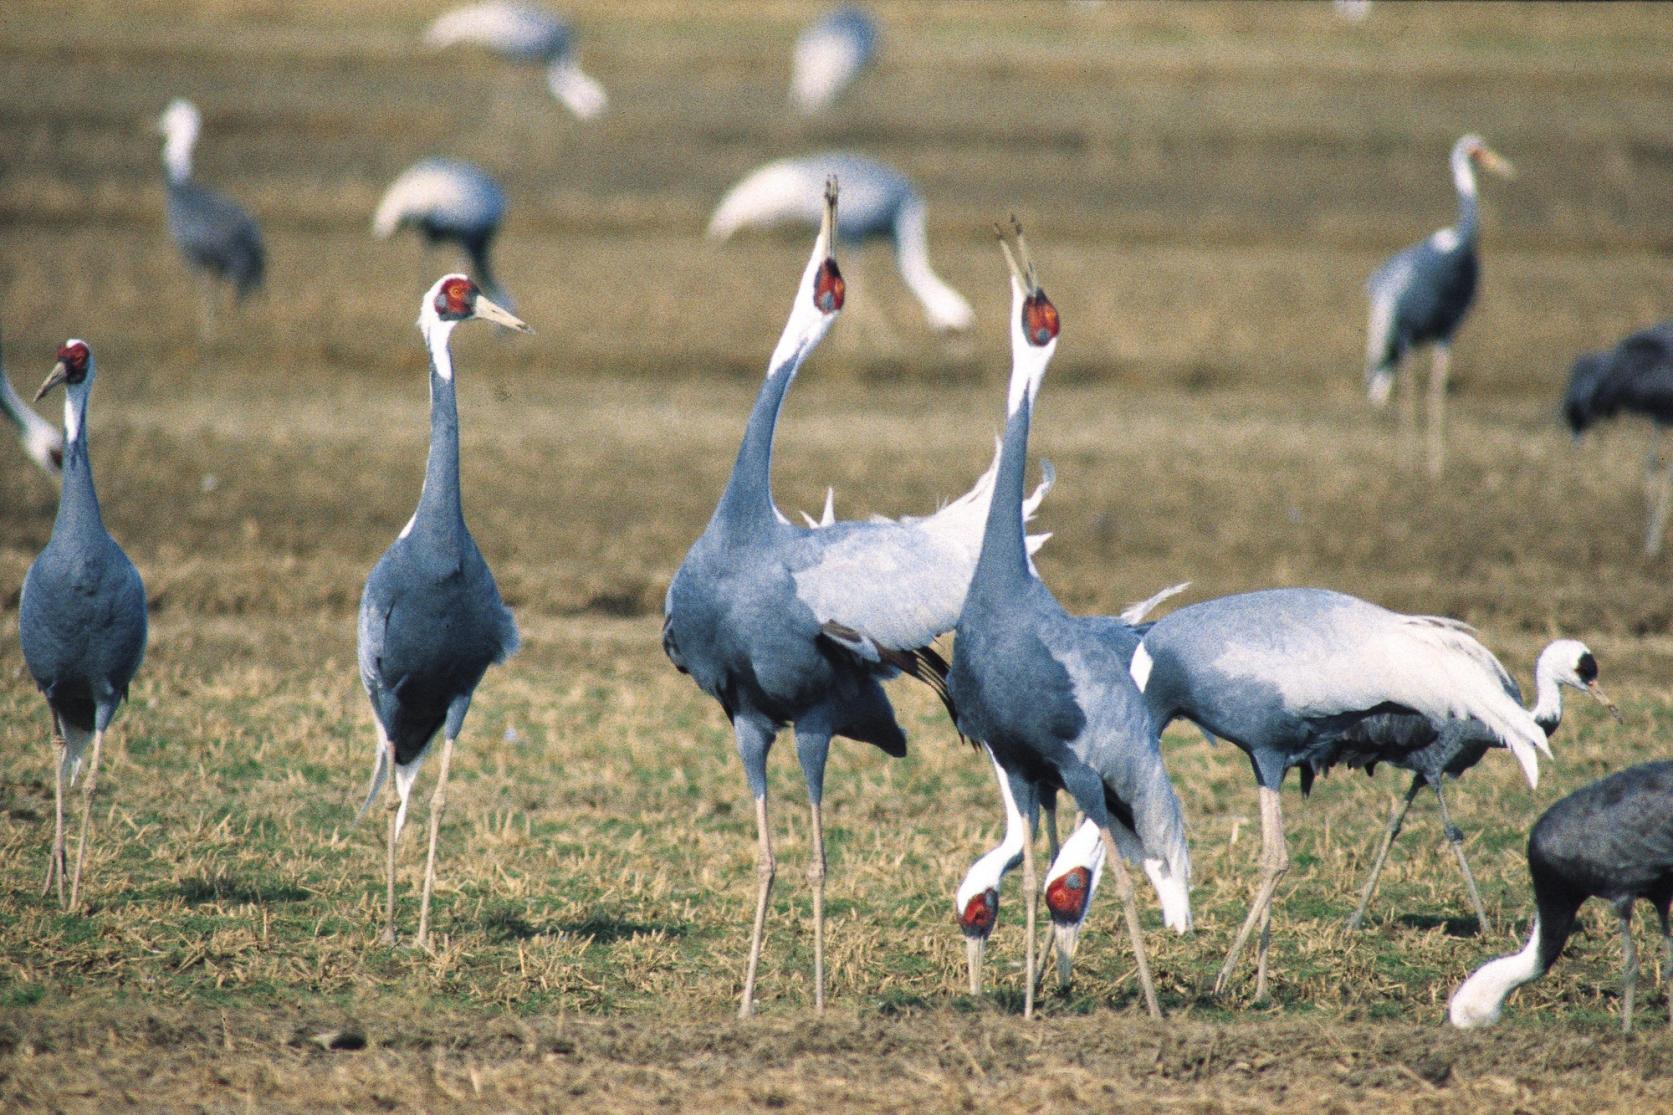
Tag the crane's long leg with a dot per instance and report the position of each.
(1629, 965)
(1456, 839)
(1124, 888)
(55, 863)
(86, 815)
(1438, 373)
(1031, 891)
(816, 876)
(764, 870)
(1395, 820)
(1409, 394)
(438, 802)
(394, 831)
(1661, 494)
(1275, 862)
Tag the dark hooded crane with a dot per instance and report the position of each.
(217, 237)
(529, 34)
(453, 201)
(42, 442)
(879, 203)
(796, 626)
(1421, 296)
(81, 618)
(976, 901)
(431, 619)
(1048, 692)
(1635, 377)
(1435, 750)
(1291, 676)
(830, 53)
(1613, 840)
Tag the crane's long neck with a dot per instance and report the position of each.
(945, 307)
(1463, 178)
(439, 510)
(78, 503)
(747, 503)
(177, 153)
(1002, 566)
(1479, 999)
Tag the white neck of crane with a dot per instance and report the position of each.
(437, 333)
(945, 307)
(1479, 999)
(177, 152)
(807, 325)
(1463, 173)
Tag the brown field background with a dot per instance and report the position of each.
(1206, 188)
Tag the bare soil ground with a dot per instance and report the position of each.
(1206, 188)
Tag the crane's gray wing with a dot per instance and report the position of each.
(893, 585)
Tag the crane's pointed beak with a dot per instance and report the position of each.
(1495, 162)
(974, 947)
(58, 375)
(825, 246)
(487, 310)
(1601, 698)
(1065, 938)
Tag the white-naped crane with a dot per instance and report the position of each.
(1611, 839)
(526, 33)
(1291, 676)
(41, 440)
(1635, 377)
(1421, 295)
(81, 619)
(798, 626)
(878, 203)
(976, 899)
(217, 237)
(830, 53)
(1048, 692)
(431, 618)
(452, 201)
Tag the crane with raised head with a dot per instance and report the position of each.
(797, 626)
(81, 619)
(1048, 692)
(431, 618)
(1421, 295)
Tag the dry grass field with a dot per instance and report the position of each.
(1206, 188)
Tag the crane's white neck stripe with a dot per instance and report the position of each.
(436, 335)
(72, 416)
(1463, 176)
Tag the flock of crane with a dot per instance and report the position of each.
(798, 626)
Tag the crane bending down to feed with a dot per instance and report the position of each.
(1048, 692)
(830, 53)
(1612, 839)
(1291, 676)
(217, 237)
(798, 626)
(81, 618)
(451, 200)
(1636, 377)
(878, 203)
(976, 900)
(431, 619)
(41, 439)
(1421, 296)
(525, 33)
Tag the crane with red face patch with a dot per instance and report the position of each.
(431, 618)
(81, 618)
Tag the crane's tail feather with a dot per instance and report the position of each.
(75, 747)
(1133, 614)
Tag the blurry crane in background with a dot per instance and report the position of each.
(525, 33)
(1048, 692)
(878, 203)
(81, 618)
(1612, 839)
(217, 237)
(796, 626)
(830, 53)
(1291, 676)
(448, 200)
(431, 619)
(1421, 295)
(1636, 377)
(41, 439)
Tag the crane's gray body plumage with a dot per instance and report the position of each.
(217, 236)
(449, 200)
(527, 34)
(1612, 839)
(1635, 377)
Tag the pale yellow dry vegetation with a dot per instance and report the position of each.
(1206, 188)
